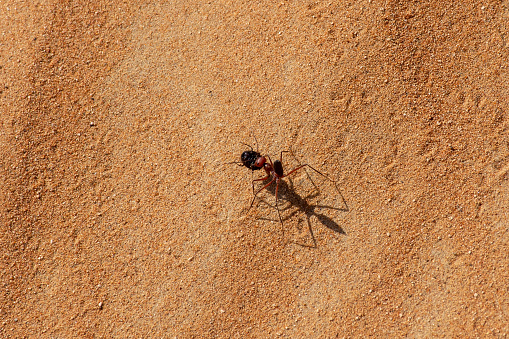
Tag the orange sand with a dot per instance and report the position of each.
(120, 217)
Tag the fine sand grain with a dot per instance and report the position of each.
(120, 215)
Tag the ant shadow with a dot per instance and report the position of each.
(287, 192)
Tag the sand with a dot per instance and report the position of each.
(123, 216)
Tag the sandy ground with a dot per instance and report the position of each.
(121, 217)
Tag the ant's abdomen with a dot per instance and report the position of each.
(278, 168)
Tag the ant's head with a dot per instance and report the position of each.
(252, 160)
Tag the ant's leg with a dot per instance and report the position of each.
(314, 169)
(252, 202)
(277, 207)
(317, 171)
(262, 179)
(296, 169)
(281, 156)
(300, 166)
(326, 177)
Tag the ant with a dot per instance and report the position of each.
(255, 161)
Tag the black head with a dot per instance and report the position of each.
(249, 158)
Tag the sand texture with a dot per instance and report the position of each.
(122, 215)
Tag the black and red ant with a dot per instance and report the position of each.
(255, 161)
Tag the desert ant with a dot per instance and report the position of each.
(255, 161)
